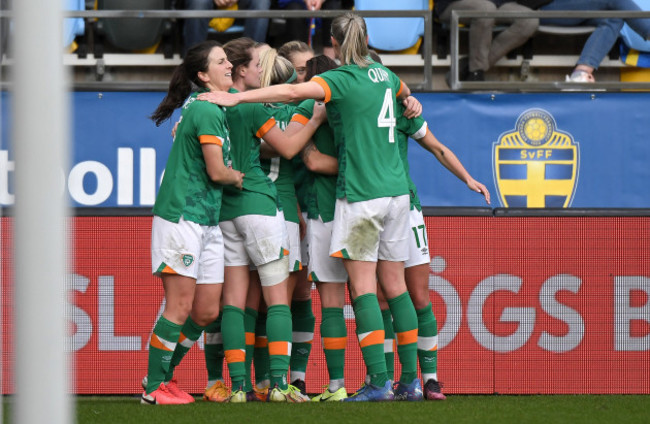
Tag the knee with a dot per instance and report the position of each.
(178, 310)
(331, 296)
(205, 316)
(615, 25)
(527, 27)
(420, 299)
(485, 6)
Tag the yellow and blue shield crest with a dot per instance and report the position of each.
(535, 165)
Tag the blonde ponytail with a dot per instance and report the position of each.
(275, 69)
(349, 31)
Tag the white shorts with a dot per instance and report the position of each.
(188, 249)
(293, 234)
(371, 229)
(256, 239)
(304, 244)
(322, 267)
(418, 244)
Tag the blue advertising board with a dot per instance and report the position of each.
(580, 150)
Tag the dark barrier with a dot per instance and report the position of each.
(525, 304)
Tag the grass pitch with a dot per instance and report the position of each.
(456, 409)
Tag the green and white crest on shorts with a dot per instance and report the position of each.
(188, 259)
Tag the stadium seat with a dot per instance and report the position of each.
(393, 34)
(74, 29)
(134, 34)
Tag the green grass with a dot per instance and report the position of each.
(456, 409)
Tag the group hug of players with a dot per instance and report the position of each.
(288, 170)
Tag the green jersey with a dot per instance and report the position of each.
(361, 111)
(415, 128)
(321, 197)
(280, 170)
(186, 190)
(248, 123)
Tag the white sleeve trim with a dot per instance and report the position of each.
(421, 132)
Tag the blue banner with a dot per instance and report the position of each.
(579, 150)
(118, 155)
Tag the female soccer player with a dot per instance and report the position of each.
(279, 70)
(328, 273)
(255, 233)
(370, 225)
(298, 53)
(187, 247)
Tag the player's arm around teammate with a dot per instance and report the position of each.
(366, 86)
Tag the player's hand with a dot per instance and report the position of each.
(220, 98)
(413, 107)
(224, 3)
(320, 113)
(239, 179)
(479, 188)
(314, 4)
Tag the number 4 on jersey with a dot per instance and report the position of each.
(386, 116)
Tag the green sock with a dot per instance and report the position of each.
(213, 351)
(261, 351)
(405, 321)
(370, 332)
(250, 318)
(303, 322)
(234, 344)
(389, 343)
(427, 342)
(335, 335)
(161, 348)
(190, 333)
(278, 330)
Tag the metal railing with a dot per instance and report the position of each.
(463, 16)
(283, 14)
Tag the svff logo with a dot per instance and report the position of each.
(535, 165)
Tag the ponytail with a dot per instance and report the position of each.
(184, 80)
(349, 31)
(275, 69)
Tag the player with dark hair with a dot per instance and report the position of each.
(187, 248)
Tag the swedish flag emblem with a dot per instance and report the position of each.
(535, 165)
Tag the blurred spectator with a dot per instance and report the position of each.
(4, 29)
(305, 29)
(483, 50)
(196, 30)
(607, 31)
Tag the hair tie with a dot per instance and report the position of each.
(292, 78)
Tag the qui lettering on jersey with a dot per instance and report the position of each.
(377, 75)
